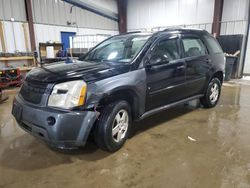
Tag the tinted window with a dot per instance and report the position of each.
(213, 44)
(193, 47)
(167, 49)
(137, 43)
(117, 49)
(111, 51)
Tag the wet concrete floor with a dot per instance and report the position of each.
(186, 146)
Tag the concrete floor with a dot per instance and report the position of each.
(182, 147)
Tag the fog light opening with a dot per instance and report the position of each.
(51, 121)
(41, 134)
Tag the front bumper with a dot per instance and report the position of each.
(70, 129)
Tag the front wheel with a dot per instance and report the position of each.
(113, 126)
(212, 94)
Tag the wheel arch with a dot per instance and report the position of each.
(127, 94)
(219, 75)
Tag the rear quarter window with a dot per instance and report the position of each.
(212, 44)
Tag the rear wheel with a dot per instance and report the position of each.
(112, 128)
(212, 94)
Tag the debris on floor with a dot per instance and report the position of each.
(192, 139)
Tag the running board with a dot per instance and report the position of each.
(156, 110)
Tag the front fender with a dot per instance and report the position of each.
(133, 80)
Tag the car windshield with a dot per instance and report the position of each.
(118, 49)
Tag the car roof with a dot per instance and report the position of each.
(132, 34)
(172, 30)
(184, 30)
(166, 31)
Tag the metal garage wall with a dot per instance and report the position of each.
(234, 17)
(149, 14)
(45, 33)
(15, 41)
(235, 10)
(12, 9)
(57, 12)
(234, 21)
(14, 36)
(51, 17)
(110, 5)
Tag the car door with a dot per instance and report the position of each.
(165, 72)
(197, 63)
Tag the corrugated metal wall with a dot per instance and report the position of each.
(234, 17)
(14, 36)
(15, 41)
(150, 14)
(110, 5)
(235, 10)
(50, 18)
(57, 12)
(146, 14)
(12, 9)
(49, 32)
(234, 21)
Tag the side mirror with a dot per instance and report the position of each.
(156, 60)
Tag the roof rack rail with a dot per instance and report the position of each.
(131, 32)
(181, 28)
(173, 28)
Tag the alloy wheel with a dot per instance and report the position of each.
(120, 125)
(214, 93)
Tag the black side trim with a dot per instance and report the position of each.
(166, 88)
(159, 109)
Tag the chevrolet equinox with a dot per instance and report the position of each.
(125, 78)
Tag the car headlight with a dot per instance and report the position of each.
(68, 94)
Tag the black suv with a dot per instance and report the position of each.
(125, 78)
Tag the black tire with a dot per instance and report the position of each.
(103, 133)
(206, 101)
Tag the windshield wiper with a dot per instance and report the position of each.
(92, 60)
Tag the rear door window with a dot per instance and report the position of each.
(193, 47)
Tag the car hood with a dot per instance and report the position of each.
(88, 71)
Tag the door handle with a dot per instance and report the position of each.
(181, 67)
(208, 60)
